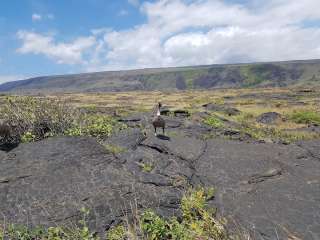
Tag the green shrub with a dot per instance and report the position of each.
(28, 137)
(18, 232)
(214, 122)
(306, 117)
(117, 233)
(153, 226)
(178, 231)
(147, 167)
(198, 221)
(95, 126)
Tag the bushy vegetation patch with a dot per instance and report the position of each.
(95, 125)
(147, 167)
(19, 232)
(32, 119)
(306, 117)
(117, 233)
(28, 137)
(214, 121)
(198, 222)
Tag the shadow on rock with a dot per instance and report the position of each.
(7, 147)
(163, 137)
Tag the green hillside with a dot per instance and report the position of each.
(275, 74)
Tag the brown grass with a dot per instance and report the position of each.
(251, 102)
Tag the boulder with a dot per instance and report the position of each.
(135, 120)
(269, 117)
(181, 113)
(231, 111)
(165, 111)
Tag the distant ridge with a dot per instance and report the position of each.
(262, 74)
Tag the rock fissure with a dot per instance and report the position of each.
(202, 153)
(271, 174)
(13, 179)
(310, 152)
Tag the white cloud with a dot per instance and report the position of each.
(240, 45)
(134, 2)
(63, 53)
(99, 31)
(192, 32)
(36, 17)
(210, 31)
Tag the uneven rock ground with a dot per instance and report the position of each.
(272, 190)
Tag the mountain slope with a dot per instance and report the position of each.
(181, 78)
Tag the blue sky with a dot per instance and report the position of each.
(42, 37)
(67, 19)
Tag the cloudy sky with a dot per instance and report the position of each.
(43, 37)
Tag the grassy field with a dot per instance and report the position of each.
(299, 108)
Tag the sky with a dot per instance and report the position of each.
(49, 37)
